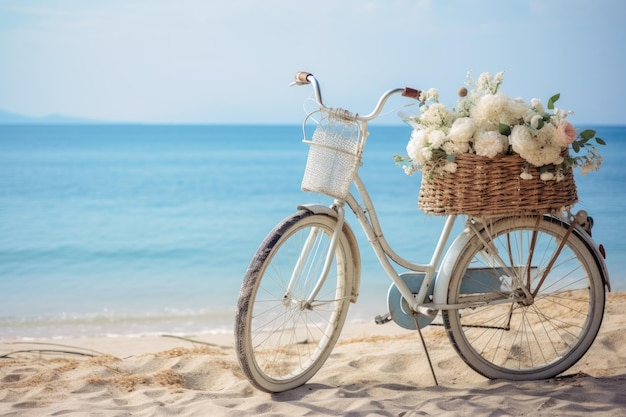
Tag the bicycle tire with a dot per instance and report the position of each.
(281, 341)
(514, 340)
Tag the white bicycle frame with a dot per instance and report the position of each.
(368, 219)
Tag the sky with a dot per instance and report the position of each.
(231, 61)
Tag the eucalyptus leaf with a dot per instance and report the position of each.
(451, 157)
(504, 129)
(553, 100)
(540, 124)
(600, 141)
(587, 134)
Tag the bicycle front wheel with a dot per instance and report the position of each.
(539, 301)
(289, 318)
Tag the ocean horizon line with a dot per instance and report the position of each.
(15, 119)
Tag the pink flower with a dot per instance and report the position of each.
(565, 133)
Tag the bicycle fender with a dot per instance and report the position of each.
(442, 279)
(349, 234)
(318, 209)
(597, 254)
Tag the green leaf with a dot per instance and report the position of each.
(553, 100)
(504, 129)
(575, 147)
(587, 134)
(600, 141)
(451, 157)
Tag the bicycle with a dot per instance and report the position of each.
(521, 296)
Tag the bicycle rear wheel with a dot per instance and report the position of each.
(282, 338)
(516, 336)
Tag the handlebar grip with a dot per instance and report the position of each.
(411, 93)
(301, 77)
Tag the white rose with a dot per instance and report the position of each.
(490, 143)
(415, 145)
(486, 112)
(535, 120)
(521, 139)
(515, 110)
(492, 109)
(462, 130)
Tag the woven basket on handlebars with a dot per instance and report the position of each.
(483, 186)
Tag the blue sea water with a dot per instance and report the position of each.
(148, 229)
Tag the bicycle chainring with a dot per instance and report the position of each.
(399, 310)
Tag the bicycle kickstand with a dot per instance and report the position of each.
(430, 363)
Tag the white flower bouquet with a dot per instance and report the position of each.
(488, 123)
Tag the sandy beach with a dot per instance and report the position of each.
(374, 370)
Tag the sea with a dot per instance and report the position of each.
(130, 230)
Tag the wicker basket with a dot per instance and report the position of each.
(483, 186)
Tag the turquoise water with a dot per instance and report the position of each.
(130, 229)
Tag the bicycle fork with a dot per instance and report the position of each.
(309, 246)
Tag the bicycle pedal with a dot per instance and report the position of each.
(384, 319)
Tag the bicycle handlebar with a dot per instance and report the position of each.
(303, 77)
